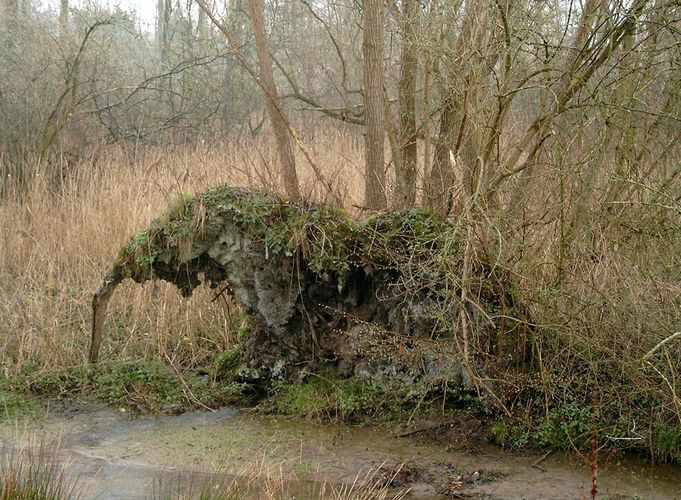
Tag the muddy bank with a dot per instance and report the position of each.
(113, 456)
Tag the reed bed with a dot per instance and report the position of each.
(599, 278)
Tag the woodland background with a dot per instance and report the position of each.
(551, 130)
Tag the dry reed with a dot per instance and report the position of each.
(58, 237)
(599, 278)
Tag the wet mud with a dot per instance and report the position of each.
(113, 455)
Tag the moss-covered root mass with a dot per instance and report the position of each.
(319, 286)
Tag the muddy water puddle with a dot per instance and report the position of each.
(111, 455)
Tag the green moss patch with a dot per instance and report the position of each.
(325, 396)
(329, 240)
(141, 386)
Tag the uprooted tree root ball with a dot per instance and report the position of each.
(377, 298)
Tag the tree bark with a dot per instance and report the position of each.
(163, 10)
(405, 169)
(273, 101)
(463, 114)
(372, 50)
(63, 18)
(160, 8)
(202, 29)
(453, 126)
(11, 11)
(441, 180)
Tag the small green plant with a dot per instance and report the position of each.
(147, 382)
(567, 426)
(14, 404)
(142, 385)
(151, 386)
(326, 396)
(512, 433)
(304, 466)
(668, 443)
(228, 362)
(138, 255)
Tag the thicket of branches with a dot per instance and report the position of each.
(70, 85)
(550, 129)
(488, 91)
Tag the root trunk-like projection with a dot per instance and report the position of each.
(100, 301)
(376, 297)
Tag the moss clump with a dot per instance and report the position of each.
(309, 276)
(192, 224)
(303, 274)
(390, 238)
(327, 238)
(138, 256)
(328, 397)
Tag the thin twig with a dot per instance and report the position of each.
(660, 345)
(536, 463)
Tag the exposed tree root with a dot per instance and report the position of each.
(376, 297)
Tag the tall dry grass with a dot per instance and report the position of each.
(594, 261)
(60, 232)
(35, 471)
(269, 481)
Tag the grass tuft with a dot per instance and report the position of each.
(34, 473)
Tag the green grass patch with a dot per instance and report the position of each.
(142, 386)
(326, 396)
(228, 362)
(14, 404)
(668, 443)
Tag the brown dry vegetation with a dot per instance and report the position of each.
(60, 235)
(601, 282)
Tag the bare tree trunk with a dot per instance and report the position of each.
(202, 30)
(463, 116)
(405, 175)
(441, 182)
(63, 18)
(441, 179)
(273, 101)
(11, 12)
(166, 9)
(429, 69)
(160, 9)
(372, 49)
(427, 129)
